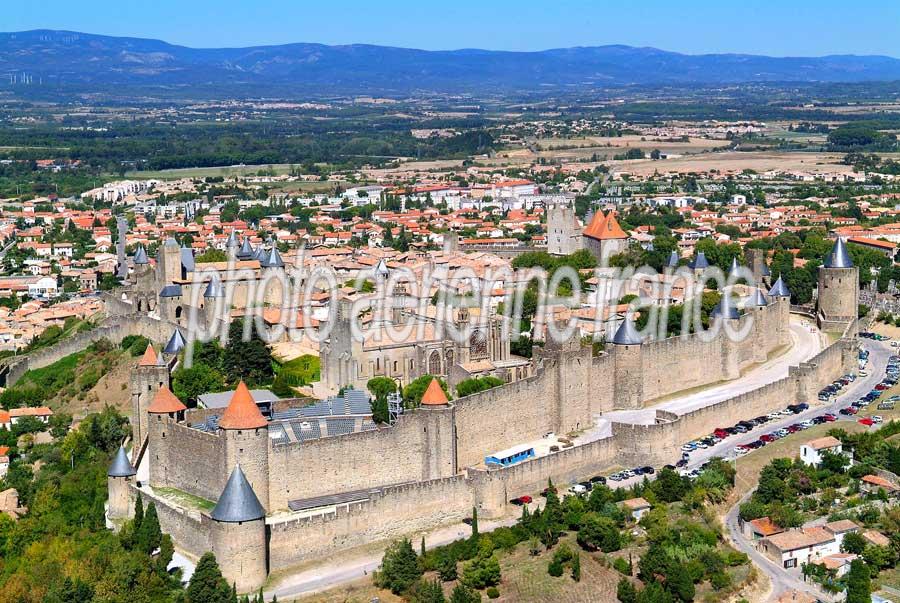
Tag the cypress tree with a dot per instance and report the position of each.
(475, 523)
(149, 535)
(138, 513)
(207, 584)
(859, 587)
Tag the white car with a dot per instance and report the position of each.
(877, 419)
(578, 489)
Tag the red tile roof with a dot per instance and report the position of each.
(242, 412)
(149, 357)
(165, 402)
(434, 395)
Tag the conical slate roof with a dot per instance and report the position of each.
(735, 266)
(700, 262)
(140, 256)
(673, 260)
(626, 334)
(839, 256)
(757, 299)
(175, 344)
(214, 288)
(765, 270)
(246, 250)
(232, 240)
(121, 466)
(272, 259)
(725, 309)
(779, 289)
(238, 501)
(381, 269)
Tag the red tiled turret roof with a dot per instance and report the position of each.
(434, 395)
(242, 412)
(149, 357)
(165, 402)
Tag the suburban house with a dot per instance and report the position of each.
(637, 506)
(839, 528)
(839, 563)
(811, 452)
(4, 461)
(875, 537)
(757, 529)
(41, 413)
(871, 484)
(793, 548)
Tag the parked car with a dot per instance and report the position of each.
(648, 470)
(598, 479)
(867, 421)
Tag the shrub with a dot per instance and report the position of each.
(555, 568)
(720, 580)
(492, 592)
(621, 565)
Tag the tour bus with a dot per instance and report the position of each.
(510, 456)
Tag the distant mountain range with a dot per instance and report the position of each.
(67, 60)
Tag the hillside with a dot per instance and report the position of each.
(71, 61)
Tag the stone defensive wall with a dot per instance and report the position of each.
(391, 513)
(191, 460)
(115, 329)
(415, 508)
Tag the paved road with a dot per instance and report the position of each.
(781, 579)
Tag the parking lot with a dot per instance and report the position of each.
(858, 396)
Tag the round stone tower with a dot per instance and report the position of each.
(246, 433)
(725, 310)
(238, 534)
(118, 482)
(165, 410)
(757, 305)
(838, 298)
(437, 435)
(781, 295)
(627, 365)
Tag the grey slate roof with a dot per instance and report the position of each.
(673, 260)
(757, 299)
(187, 259)
(765, 270)
(626, 334)
(214, 288)
(238, 501)
(381, 269)
(171, 291)
(246, 251)
(232, 240)
(779, 289)
(272, 259)
(700, 262)
(221, 399)
(121, 466)
(140, 256)
(735, 266)
(839, 256)
(725, 309)
(175, 344)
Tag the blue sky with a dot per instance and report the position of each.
(784, 27)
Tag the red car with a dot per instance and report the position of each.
(525, 499)
(767, 437)
(720, 433)
(866, 421)
(829, 417)
(881, 387)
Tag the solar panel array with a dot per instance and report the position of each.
(306, 430)
(340, 426)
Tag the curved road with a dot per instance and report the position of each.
(781, 579)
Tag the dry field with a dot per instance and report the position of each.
(735, 162)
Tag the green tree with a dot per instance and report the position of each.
(427, 591)
(191, 383)
(463, 594)
(400, 567)
(249, 360)
(599, 533)
(853, 543)
(859, 585)
(626, 592)
(467, 387)
(576, 568)
(148, 536)
(380, 387)
(207, 584)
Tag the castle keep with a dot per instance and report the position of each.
(283, 492)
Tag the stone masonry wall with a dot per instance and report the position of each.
(393, 513)
(194, 461)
